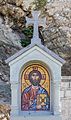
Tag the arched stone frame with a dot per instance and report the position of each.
(51, 84)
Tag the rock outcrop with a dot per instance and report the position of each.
(57, 35)
(7, 35)
(6, 51)
(13, 13)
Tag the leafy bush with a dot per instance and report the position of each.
(28, 32)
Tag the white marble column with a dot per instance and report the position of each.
(14, 99)
(56, 99)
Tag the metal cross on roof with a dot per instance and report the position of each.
(36, 21)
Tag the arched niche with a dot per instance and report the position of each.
(47, 76)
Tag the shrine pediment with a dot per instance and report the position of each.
(36, 51)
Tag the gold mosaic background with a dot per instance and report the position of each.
(45, 82)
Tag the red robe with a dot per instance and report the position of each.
(28, 98)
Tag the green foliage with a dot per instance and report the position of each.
(25, 42)
(40, 4)
(28, 32)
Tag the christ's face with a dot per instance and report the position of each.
(35, 78)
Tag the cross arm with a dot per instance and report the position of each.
(42, 22)
(29, 21)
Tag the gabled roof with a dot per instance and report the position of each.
(31, 46)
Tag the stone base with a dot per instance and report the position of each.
(49, 117)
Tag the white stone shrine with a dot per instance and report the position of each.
(21, 63)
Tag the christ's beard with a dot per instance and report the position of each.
(35, 82)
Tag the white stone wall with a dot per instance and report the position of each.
(66, 98)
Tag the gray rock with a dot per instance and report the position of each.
(8, 36)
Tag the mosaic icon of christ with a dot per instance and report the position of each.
(35, 97)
